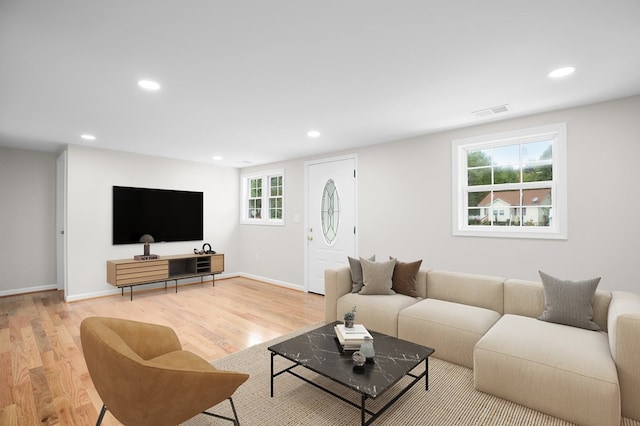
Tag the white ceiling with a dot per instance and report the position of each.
(247, 79)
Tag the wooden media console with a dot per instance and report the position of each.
(129, 272)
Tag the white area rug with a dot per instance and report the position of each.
(451, 399)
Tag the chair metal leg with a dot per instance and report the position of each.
(101, 415)
(235, 415)
(235, 420)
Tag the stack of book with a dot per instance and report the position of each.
(350, 339)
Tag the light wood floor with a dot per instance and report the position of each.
(43, 376)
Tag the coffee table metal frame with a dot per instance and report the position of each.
(324, 338)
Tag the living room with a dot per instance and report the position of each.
(405, 189)
(406, 225)
(398, 180)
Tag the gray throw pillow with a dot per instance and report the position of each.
(376, 277)
(569, 302)
(356, 273)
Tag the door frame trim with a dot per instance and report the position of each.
(353, 157)
(61, 222)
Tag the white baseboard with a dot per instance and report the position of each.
(13, 292)
(271, 281)
(86, 296)
(150, 286)
(113, 291)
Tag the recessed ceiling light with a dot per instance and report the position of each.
(313, 133)
(561, 72)
(88, 137)
(217, 157)
(149, 85)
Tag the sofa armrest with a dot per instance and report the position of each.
(624, 342)
(337, 282)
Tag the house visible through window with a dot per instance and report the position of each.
(511, 185)
(263, 198)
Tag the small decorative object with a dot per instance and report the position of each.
(358, 359)
(366, 349)
(350, 318)
(146, 239)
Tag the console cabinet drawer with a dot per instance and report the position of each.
(137, 272)
(217, 263)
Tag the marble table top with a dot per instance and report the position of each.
(319, 351)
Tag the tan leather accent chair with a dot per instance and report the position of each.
(145, 378)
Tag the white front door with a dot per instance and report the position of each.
(330, 217)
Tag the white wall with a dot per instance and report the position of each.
(91, 175)
(276, 253)
(404, 209)
(27, 221)
(405, 206)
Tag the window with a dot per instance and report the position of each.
(275, 197)
(255, 198)
(511, 184)
(330, 212)
(263, 198)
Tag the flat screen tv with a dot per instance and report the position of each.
(166, 215)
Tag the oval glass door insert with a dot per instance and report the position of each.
(330, 212)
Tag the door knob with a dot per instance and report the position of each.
(310, 238)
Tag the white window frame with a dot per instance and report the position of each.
(558, 230)
(266, 176)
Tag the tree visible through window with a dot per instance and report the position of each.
(275, 197)
(255, 198)
(511, 184)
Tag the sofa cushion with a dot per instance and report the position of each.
(356, 272)
(564, 371)
(475, 290)
(569, 302)
(522, 297)
(404, 279)
(452, 329)
(378, 313)
(376, 277)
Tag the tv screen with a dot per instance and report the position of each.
(166, 215)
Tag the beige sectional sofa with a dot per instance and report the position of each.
(490, 324)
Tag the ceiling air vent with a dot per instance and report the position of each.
(484, 113)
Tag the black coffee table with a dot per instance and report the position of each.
(318, 351)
